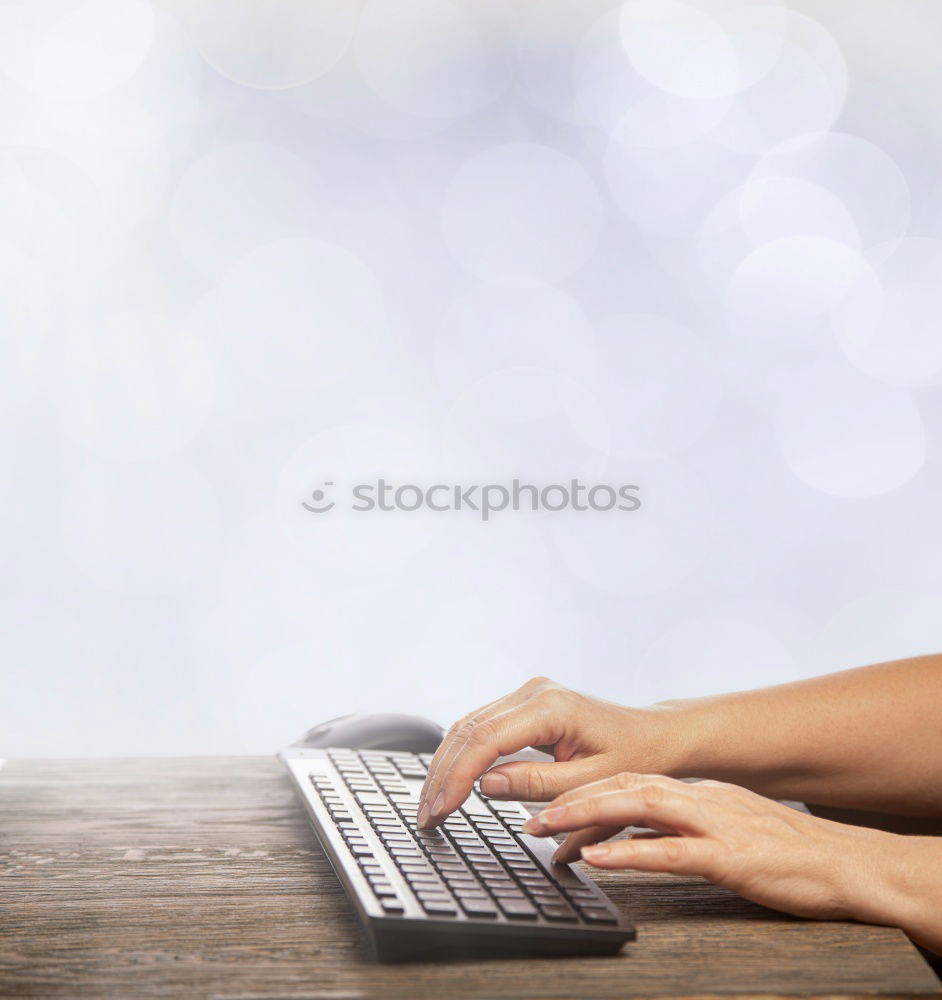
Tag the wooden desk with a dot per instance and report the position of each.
(200, 878)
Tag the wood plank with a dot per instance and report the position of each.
(200, 877)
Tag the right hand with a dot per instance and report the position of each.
(591, 739)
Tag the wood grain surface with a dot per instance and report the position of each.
(200, 878)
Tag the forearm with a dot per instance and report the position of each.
(904, 887)
(869, 738)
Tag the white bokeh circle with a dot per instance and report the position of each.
(804, 91)
(526, 423)
(433, 58)
(88, 49)
(700, 51)
(847, 435)
(134, 387)
(643, 552)
(658, 384)
(667, 191)
(240, 195)
(273, 45)
(58, 216)
(140, 529)
(863, 176)
(891, 328)
(775, 208)
(761, 211)
(289, 319)
(884, 624)
(610, 93)
(520, 213)
(544, 39)
(120, 147)
(781, 295)
(694, 657)
(490, 327)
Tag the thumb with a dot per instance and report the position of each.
(538, 782)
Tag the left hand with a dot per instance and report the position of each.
(767, 852)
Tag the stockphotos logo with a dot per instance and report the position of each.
(483, 500)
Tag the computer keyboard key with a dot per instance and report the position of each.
(370, 798)
(440, 909)
(478, 907)
(547, 897)
(508, 892)
(392, 905)
(468, 891)
(433, 895)
(519, 867)
(559, 912)
(518, 909)
(489, 868)
(597, 915)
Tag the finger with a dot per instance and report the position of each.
(533, 782)
(677, 855)
(507, 732)
(623, 781)
(652, 805)
(454, 739)
(571, 848)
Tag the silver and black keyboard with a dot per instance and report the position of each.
(476, 885)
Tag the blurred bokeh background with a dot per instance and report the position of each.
(248, 248)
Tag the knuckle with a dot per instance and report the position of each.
(652, 794)
(675, 850)
(481, 733)
(553, 699)
(462, 729)
(536, 683)
(534, 786)
(626, 780)
(709, 784)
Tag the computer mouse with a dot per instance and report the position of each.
(381, 731)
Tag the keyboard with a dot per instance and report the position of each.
(477, 885)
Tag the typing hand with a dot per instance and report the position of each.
(590, 739)
(765, 851)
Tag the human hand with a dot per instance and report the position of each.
(590, 739)
(765, 851)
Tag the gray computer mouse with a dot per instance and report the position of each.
(376, 732)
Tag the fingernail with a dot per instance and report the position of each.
(495, 784)
(596, 852)
(423, 815)
(439, 804)
(556, 855)
(543, 819)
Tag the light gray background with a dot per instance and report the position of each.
(248, 248)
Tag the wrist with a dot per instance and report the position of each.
(673, 740)
(906, 887)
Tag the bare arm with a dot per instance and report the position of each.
(869, 738)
